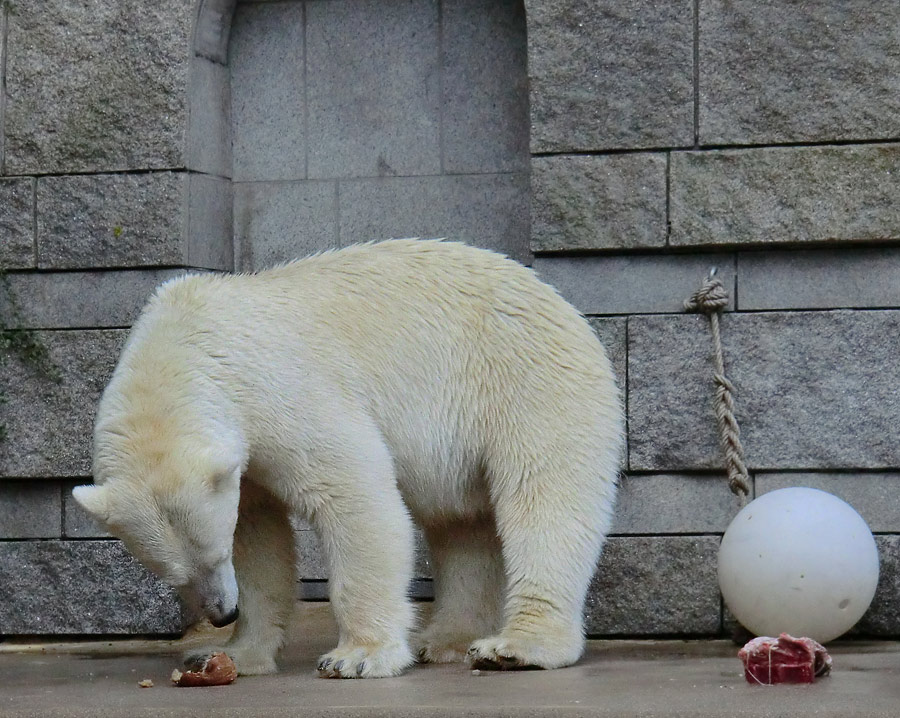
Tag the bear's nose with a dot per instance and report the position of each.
(225, 620)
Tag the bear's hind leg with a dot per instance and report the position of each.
(468, 585)
(264, 564)
(552, 517)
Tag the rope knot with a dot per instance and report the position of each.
(712, 297)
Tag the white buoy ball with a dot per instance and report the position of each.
(798, 561)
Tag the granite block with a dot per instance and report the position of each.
(17, 223)
(610, 74)
(373, 88)
(873, 495)
(280, 221)
(814, 390)
(313, 566)
(75, 300)
(489, 211)
(633, 284)
(81, 587)
(50, 408)
(598, 202)
(785, 194)
(130, 220)
(210, 121)
(311, 562)
(267, 92)
(674, 504)
(882, 620)
(655, 585)
(96, 86)
(30, 509)
(210, 232)
(798, 72)
(485, 114)
(94, 221)
(213, 29)
(820, 279)
(612, 334)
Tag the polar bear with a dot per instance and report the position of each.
(366, 389)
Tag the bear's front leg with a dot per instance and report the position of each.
(265, 568)
(368, 536)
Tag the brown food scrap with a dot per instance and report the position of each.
(784, 660)
(217, 670)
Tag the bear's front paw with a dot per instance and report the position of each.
(247, 661)
(365, 662)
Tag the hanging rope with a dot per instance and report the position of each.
(710, 300)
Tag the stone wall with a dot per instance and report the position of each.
(665, 138)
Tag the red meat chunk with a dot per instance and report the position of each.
(784, 660)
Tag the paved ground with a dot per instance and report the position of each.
(615, 678)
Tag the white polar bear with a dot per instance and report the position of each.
(367, 388)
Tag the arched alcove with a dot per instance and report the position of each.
(354, 120)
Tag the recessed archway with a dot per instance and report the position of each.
(354, 120)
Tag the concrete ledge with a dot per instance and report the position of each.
(615, 678)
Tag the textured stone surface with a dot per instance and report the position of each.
(633, 284)
(641, 589)
(368, 121)
(76, 522)
(610, 74)
(267, 91)
(874, 496)
(312, 564)
(809, 194)
(30, 509)
(612, 333)
(111, 220)
(96, 85)
(49, 422)
(674, 504)
(814, 390)
(128, 220)
(883, 617)
(598, 202)
(16, 223)
(210, 123)
(484, 210)
(69, 300)
(485, 114)
(819, 279)
(80, 587)
(210, 232)
(794, 72)
(279, 221)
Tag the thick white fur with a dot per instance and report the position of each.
(368, 388)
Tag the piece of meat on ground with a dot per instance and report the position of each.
(784, 659)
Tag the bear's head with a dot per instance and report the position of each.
(179, 525)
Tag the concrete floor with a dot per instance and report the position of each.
(615, 678)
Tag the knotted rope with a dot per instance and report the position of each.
(710, 300)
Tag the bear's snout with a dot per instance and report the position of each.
(226, 620)
(216, 594)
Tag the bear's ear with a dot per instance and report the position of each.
(93, 499)
(226, 476)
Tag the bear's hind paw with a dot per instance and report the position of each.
(515, 654)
